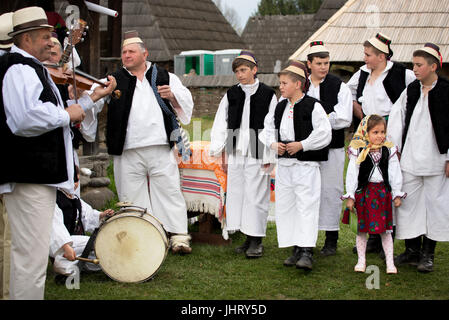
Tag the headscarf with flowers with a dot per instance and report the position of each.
(361, 140)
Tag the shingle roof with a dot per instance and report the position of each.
(409, 24)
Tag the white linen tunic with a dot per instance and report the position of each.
(374, 98)
(248, 191)
(425, 211)
(298, 183)
(332, 169)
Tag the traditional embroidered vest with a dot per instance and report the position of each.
(259, 107)
(394, 82)
(40, 159)
(119, 109)
(302, 121)
(367, 169)
(329, 90)
(438, 109)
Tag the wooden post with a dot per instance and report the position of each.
(115, 29)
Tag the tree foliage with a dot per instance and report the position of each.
(287, 7)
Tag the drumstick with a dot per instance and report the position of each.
(96, 261)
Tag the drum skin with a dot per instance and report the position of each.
(131, 246)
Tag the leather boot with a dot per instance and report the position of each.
(305, 259)
(330, 244)
(411, 255)
(291, 261)
(244, 246)
(255, 249)
(374, 244)
(427, 255)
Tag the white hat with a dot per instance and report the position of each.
(247, 55)
(433, 50)
(5, 27)
(382, 43)
(30, 18)
(297, 67)
(131, 37)
(316, 47)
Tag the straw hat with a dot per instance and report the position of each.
(297, 67)
(382, 43)
(30, 18)
(317, 47)
(247, 55)
(5, 28)
(131, 37)
(434, 51)
(54, 38)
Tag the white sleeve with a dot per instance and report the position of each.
(342, 115)
(89, 216)
(219, 131)
(321, 134)
(396, 121)
(184, 98)
(269, 156)
(268, 135)
(352, 175)
(409, 77)
(395, 174)
(59, 233)
(353, 83)
(26, 114)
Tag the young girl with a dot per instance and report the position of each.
(373, 178)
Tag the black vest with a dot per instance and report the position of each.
(438, 109)
(302, 121)
(329, 90)
(367, 169)
(40, 159)
(394, 82)
(119, 109)
(259, 107)
(71, 210)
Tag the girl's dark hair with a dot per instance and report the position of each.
(374, 120)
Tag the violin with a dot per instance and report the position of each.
(61, 75)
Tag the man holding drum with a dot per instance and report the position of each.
(139, 134)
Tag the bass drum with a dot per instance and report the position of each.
(131, 245)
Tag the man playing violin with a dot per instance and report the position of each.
(35, 129)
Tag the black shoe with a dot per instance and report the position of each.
(374, 244)
(354, 249)
(291, 261)
(244, 246)
(330, 244)
(382, 254)
(426, 263)
(60, 279)
(255, 249)
(409, 256)
(305, 261)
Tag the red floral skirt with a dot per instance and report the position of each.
(374, 209)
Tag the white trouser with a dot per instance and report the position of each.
(331, 190)
(247, 196)
(425, 210)
(164, 198)
(30, 209)
(297, 205)
(5, 251)
(66, 267)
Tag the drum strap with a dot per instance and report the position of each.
(89, 247)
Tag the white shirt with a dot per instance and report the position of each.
(27, 116)
(374, 98)
(319, 138)
(394, 174)
(146, 123)
(341, 117)
(219, 132)
(60, 235)
(420, 154)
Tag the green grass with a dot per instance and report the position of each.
(217, 273)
